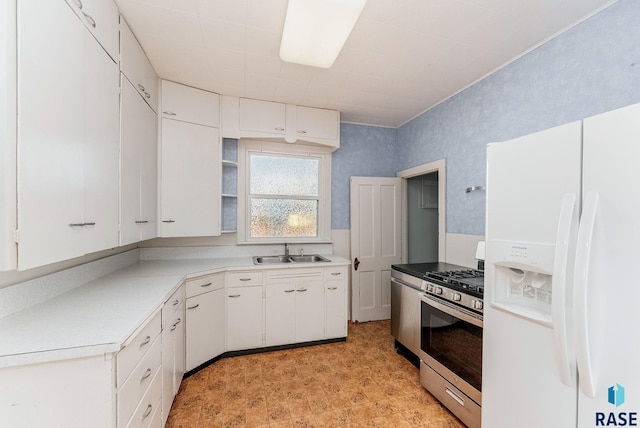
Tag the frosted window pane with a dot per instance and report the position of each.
(284, 218)
(279, 175)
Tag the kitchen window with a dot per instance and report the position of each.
(284, 193)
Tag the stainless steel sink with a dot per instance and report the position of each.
(271, 259)
(311, 258)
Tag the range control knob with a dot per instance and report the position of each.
(457, 297)
(477, 304)
(430, 288)
(437, 290)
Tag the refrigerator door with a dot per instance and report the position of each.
(533, 192)
(607, 291)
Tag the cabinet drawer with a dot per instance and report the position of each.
(244, 279)
(136, 385)
(203, 284)
(335, 273)
(130, 355)
(175, 300)
(149, 406)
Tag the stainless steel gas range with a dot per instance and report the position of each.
(448, 338)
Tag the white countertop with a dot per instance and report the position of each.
(98, 317)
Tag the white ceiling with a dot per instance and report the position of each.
(403, 56)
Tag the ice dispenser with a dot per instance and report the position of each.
(523, 279)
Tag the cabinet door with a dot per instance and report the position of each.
(130, 147)
(336, 308)
(101, 147)
(50, 143)
(204, 328)
(244, 318)
(309, 311)
(280, 314)
(190, 179)
(189, 104)
(148, 173)
(180, 336)
(317, 123)
(101, 19)
(262, 117)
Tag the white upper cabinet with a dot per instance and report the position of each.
(190, 181)
(317, 123)
(261, 117)
(136, 66)
(101, 18)
(138, 167)
(248, 118)
(68, 96)
(189, 104)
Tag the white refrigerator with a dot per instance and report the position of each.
(561, 340)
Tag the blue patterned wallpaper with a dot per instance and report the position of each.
(364, 151)
(592, 68)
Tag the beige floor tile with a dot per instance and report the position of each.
(358, 383)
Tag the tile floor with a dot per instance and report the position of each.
(358, 383)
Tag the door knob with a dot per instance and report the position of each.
(356, 262)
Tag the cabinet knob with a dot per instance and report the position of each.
(169, 113)
(300, 131)
(168, 221)
(301, 290)
(206, 285)
(332, 288)
(146, 95)
(146, 375)
(279, 129)
(148, 411)
(289, 291)
(233, 296)
(194, 306)
(141, 87)
(142, 221)
(146, 341)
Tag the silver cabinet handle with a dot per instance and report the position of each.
(245, 279)
(206, 285)
(178, 321)
(302, 131)
(141, 87)
(76, 224)
(289, 291)
(146, 341)
(90, 20)
(146, 375)
(332, 288)
(142, 221)
(146, 95)
(301, 290)
(176, 302)
(78, 3)
(335, 273)
(148, 411)
(193, 307)
(279, 129)
(233, 296)
(168, 221)
(92, 223)
(169, 113)
(175, 324)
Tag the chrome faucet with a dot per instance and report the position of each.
(286, 249)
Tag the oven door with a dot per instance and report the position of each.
(451, 344)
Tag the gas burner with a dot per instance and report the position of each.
(469, 281)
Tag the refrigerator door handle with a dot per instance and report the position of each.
(581, 293)
(566, 222)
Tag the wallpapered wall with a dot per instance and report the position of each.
(592, 68)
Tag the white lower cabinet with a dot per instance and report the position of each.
(294, 306)
(336, 301)
(205, 319)
(245, 324)
(173, 347)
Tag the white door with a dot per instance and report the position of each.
(606, 288)
(375, 244)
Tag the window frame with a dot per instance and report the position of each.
(248, 147)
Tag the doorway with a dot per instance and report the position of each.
(422, 218)
(424, 213)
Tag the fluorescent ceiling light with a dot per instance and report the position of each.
(315, 30)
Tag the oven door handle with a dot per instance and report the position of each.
(452, 310)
